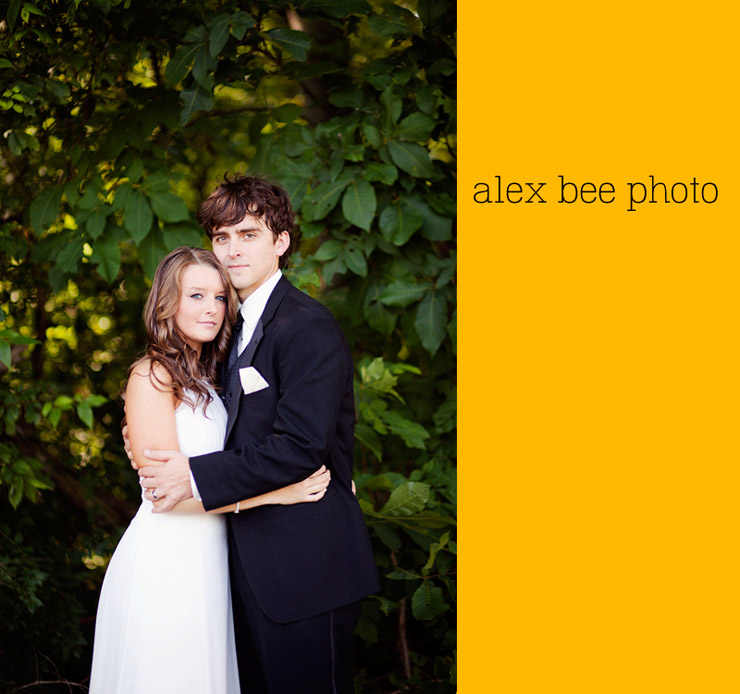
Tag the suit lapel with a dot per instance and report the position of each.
(246, 357)
(244, 360)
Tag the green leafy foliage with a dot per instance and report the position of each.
(117, 120)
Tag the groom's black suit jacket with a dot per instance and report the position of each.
(305, 559)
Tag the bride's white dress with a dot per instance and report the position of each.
(164, 619)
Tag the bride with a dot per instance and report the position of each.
(164, 619)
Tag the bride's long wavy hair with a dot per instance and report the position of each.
(166, 346)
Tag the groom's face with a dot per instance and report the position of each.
(250, 253)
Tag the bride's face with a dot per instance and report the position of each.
(202, 306)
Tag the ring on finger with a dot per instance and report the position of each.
(154, 494)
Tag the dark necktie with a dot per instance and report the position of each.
(236, 334)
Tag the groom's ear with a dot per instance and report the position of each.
(282, 242)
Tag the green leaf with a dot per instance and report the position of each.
(444, 66)
(45, 209)
(70, 255)
(33, 9)
(393, 105)
(430, 519)
(378, 317)
(121, 197)
(16, 143)
(13, 7)
(84, 412)
(386, 28)
(169, 207)
(219, 27)
(407, 499)
(63, 402)
(368, 438)
(15, 338)
(178, 235)
(96, 221)
(4, 62)
(416, 127)
(399, 574)
(156, 182)
(95, 400)
(431, 13)
(151, 252)
(403, 292)
(388, 536)
(359, 203)
(337, 266)
(287, 113)
(372, 134)
(5, 352)
(296, 43)
(328, 250)
(383, 173)
(426, 100)
(107, 257)
(366, 630)
(431, 321)
(355, 260)
(434, 550)
(322, 199)
(435, 227)
(180, 63)
(135, 170)
(347, 98)
(59, 90)
(411, 158)
(196, 34)
(240, 22)
(338, 8)
(202, 69)
(427, 602)
(194, 100)
(138, 216)
(413, 434)
(15, 494)
(398, 222)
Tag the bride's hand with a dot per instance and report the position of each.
(312, 488)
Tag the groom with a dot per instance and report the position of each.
(297, 572)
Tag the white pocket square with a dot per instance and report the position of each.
(252, 380)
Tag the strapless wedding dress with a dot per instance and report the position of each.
(164, 620)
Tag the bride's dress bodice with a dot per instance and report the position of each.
(199, 433)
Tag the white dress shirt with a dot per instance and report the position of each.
(251, 309)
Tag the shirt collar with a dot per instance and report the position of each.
(254, 305)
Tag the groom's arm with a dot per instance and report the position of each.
(315, 370)
(315, 389)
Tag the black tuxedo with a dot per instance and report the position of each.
(291, 563)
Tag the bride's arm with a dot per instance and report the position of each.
(150, 411)
(312, 488)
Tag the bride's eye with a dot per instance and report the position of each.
(197, 295)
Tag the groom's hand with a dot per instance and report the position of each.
(166, 483)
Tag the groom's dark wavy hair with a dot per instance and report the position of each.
(169, 361)
(254, 195)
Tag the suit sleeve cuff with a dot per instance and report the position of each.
(194, 488)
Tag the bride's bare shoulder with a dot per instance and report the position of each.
(148, 375)
(150, 369)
